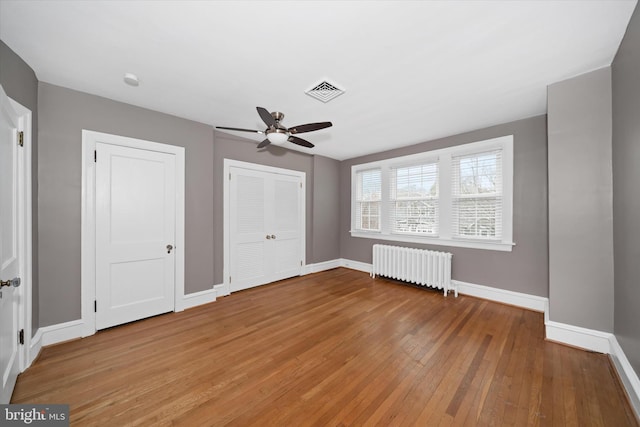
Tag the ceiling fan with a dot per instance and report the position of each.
(277, 134)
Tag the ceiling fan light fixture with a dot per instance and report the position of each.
(277, 138)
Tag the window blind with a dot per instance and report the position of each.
(477, 195)
(413, 199)
(368, 199)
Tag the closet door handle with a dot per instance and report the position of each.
(15, 282)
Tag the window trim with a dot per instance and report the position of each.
(355, 201)
(443, 156)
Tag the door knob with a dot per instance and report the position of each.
(268, 237)
(169, 247)
(273, 236)
(15, 282)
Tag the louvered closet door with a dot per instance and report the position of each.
(286, 227)
(265, 233)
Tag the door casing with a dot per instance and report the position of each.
(88, 239)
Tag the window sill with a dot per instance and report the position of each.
(474, 244)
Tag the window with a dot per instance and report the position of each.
(414, 199)
(457, 196)
(368, 199)
(477, 195)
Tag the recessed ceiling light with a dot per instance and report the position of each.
(131, 79)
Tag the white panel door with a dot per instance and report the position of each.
(265, 236)
(9, 248)
(135, 234)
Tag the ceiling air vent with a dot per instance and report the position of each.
(325, 91)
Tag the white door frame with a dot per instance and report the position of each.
(228, 164)
(88, 239)
(26, 353)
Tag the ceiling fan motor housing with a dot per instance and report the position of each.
(277, 116)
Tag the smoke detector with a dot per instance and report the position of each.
(131, 79)
(325, 91)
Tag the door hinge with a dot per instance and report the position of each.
(95, 156)
(229, 176)
(21, 138)
(95, 306)
(300, 263)
(21, 336)
(229, 279)
(300, 185)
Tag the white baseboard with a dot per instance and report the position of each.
(531, 302)
(55, 334)
(321, 266)
(577, 336)
(627, 374)
(35, 347)
(355, 265)
(198, 298)
(222, 290)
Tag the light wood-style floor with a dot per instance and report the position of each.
(330, 349)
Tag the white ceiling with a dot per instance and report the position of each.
(413, 71)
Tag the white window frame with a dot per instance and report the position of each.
(389, 202)
(444, 156)
(356, 201)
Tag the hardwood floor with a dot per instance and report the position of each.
(330, 349)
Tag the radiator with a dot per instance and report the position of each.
(419, 266)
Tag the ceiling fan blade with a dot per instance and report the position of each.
(300, 141)
(309, 127)
(241, 130)
(264, 143)
(266, 117)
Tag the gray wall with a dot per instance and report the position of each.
(580, 201)
(20, 83)
(63, 114)
(626, 194)
(326, 209)
(525, 269)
